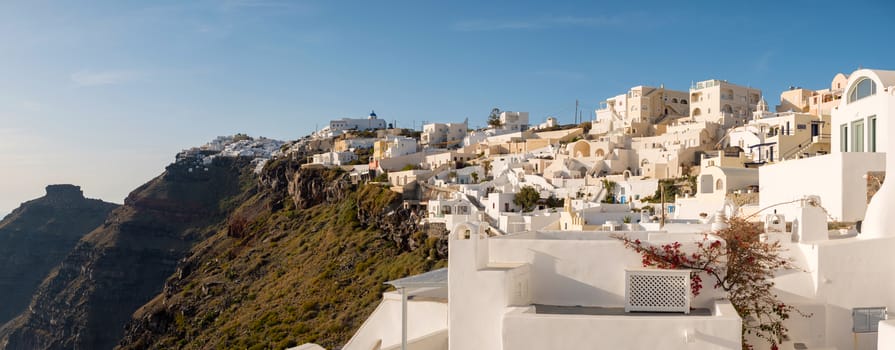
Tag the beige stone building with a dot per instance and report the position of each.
(671, 154)
(639, 109)
(772, 137)
(450, 158)
(718, 101)
(816, 102)
(824, 101)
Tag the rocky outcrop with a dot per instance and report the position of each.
(377, 207)
(380, 208)
(87, 300)
(312, 186)
(37, 236)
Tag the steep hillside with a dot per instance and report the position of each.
(85, 302)
(304, 260)
(37, 236)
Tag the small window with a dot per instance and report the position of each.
(871, 133)
(843, 138)
(719, 185)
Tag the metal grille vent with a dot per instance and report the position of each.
(657, 290)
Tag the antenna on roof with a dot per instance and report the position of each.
(576, 111)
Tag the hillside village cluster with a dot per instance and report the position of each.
(656, 165)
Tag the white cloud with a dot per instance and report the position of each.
(106, 77)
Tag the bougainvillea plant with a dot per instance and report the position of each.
(738, 262)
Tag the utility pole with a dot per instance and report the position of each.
(576, 111)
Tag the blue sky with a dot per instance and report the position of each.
(103, 93)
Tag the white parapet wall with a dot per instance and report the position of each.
(524, 328)
(836, 178)
(886, 338)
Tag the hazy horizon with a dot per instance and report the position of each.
(104, 96)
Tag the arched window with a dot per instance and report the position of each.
(863, 88)
(719, 185)
(683, 102)
(696, 112)
(674, 100)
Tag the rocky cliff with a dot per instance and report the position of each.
(303, 260)
(85, 302)
(221, 258)
(37, 236)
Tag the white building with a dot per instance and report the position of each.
(394, 147)
(863, 112)
(353, 144)
(334, 158)
(338, 126)
(497, 203)
(864, 123)
(841, 179)
(550, 122)
(451, 211)
(713, 186)
(514, 121)
(443, 135)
